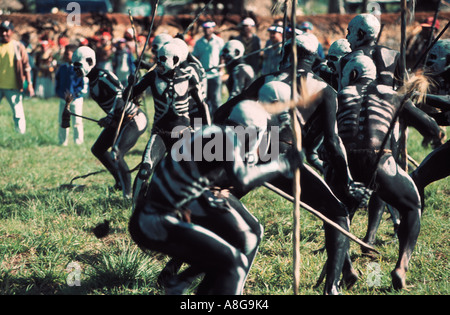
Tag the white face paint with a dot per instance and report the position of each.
(159, 41)
(253, 117)
(363, 29)
(360, 66)
(183, 49)
(439, 57)
(170, 56)
(234, 49)
(83, 60)
(337, 50)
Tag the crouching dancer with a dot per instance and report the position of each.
(106, 90)
(160, 221)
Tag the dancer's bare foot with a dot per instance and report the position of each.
(398, 279)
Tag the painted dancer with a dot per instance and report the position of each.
(160, 220)
(316, 192)
(318, 119)
(240, 73)
(337, 50)
(435, 166)
(367, 107)
(362, 35)
(175, 89)
(247, 115)
(106, 90)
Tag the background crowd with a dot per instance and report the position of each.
(119, 55)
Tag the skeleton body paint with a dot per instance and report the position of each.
(367, 105)
(436, 166)
(241, 74)
(106, 90)
(178, 96)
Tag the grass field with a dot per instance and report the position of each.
(47, 245)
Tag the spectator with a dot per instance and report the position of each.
(104, 52)
(129, 37)
(67, 81)
(207, 50)
(83, 41)
(45, 67)
(251, 43)
(123, 62)
(307, 27)
(272, 56)
(141, 39)
(26, 41)
(14, 71)
(59, 55)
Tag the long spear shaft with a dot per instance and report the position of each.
(136, 51)
(285, 21)
(296, 130)
(197, 17)
(430, 37)
(320, 216)
(429, 47)
(84, 117)
(403, 41)
(136, 72)
(403, 78)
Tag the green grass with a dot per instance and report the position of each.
(44, 227)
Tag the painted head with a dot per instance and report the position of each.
(83, 60)
(171, 55)
(363, 29)
(233, 50)
(252, 116)
(337, 50)
(439, 57)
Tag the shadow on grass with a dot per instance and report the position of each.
(67, 198)
(50, 285)
(127, 272)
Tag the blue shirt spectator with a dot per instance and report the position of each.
(67, 80)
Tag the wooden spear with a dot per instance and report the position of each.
(296, 130)
(403, 41)
(320, 216)
(136, 72)
(403, 78)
